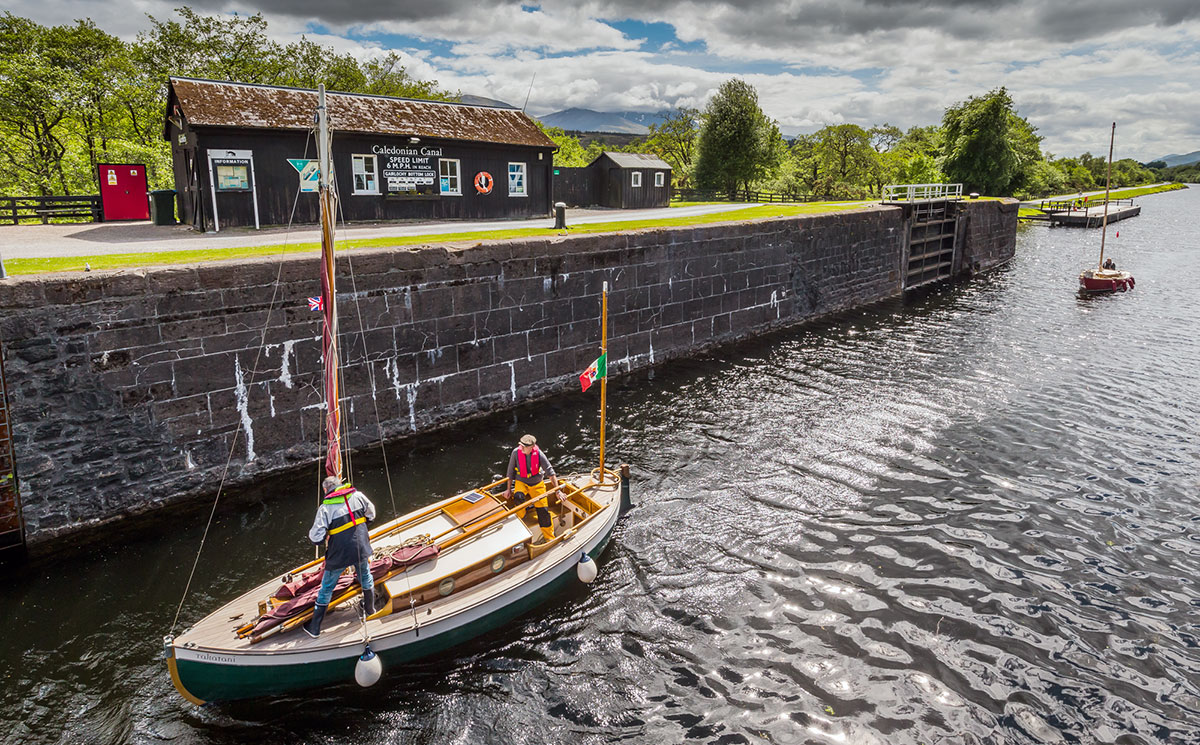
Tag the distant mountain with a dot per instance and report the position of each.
(586, 120)
(616, 122)
(484, 101)
(1179, 160)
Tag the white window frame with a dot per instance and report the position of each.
(373, 175)
(456, 191)
(660, 179)
(524, 171)
(635, 179)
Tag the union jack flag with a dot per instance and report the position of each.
(316, 303)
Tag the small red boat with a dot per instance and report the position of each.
(1105, 277)
(1105, 280)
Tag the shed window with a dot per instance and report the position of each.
(635, 179)
(448, 177)
(516, 180)
(659, 178)
(365, 181)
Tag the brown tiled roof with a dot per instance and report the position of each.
(224, 104)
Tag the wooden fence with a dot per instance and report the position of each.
(746, 195)
(15, 209)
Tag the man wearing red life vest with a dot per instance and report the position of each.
(527, 467)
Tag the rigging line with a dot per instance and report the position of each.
(362, 329)
(233, 440)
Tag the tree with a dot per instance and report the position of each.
(979, 149)
(884, 137)
(738, 144)
(847, 161)
(674, 140)
(570, 153)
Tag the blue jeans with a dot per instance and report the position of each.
(329, 581)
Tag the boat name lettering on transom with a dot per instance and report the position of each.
(206, 657)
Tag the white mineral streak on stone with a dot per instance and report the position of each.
(271, 399)
(512, 386)
(651, 349)
(243, 407)
(188, 463)
(285, 370)
(412, 408)
(547, 284)
(393, 372)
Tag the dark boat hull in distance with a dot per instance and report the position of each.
(1105, 280)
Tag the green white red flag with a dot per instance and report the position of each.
(595, 371)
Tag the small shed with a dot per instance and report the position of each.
(621, 180)
(632, 180)
(244, 155)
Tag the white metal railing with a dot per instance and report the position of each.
(919, 192)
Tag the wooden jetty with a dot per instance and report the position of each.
(1087, 213)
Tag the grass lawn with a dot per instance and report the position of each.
(196, 256)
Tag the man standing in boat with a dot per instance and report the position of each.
(342, 519)
(527, 467)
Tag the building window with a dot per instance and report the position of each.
(516, 180)
(364, 175)
(636, 179)
(448, 177)
(659, 178)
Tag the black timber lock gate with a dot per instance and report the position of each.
(12, 527)
(934, 250)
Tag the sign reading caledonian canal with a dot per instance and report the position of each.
(405, 170)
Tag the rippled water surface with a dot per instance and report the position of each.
(969, 518)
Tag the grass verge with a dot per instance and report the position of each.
(197, 256)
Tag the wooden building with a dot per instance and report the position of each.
(245, 154)
(621, 180)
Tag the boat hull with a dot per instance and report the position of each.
(1108, 281)
(203, 676)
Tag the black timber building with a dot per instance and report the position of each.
(620, 180)
(242, 152)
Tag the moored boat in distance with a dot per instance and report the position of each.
(1105, 280)
(1106, 277)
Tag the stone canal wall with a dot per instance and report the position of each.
(130, 389)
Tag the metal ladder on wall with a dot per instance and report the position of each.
(12, 527)
(933, 243)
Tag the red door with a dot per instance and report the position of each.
(123, 191)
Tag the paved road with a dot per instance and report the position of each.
(90, 239)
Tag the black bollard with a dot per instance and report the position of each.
(560, 216)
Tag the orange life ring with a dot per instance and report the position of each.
(483, 182)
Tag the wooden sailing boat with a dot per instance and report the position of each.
(1106, 278)
(447, 573)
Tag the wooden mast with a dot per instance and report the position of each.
(1107, 185)
(328, 199)
(603, 380)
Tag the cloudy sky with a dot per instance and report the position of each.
(1072, 66)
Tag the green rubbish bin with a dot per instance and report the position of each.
(162, 207)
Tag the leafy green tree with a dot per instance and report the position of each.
(849, 165)
(571, 153)
(738, 144)
(37, 97)
(979, 150)
(674, 140)
(884, 137)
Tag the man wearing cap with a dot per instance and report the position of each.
(342, 519)
(527, 467)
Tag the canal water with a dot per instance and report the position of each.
(971, 517)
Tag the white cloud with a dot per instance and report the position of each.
(1070, 65)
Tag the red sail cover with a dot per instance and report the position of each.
(303, 592)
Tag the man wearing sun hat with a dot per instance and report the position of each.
(527, 468)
